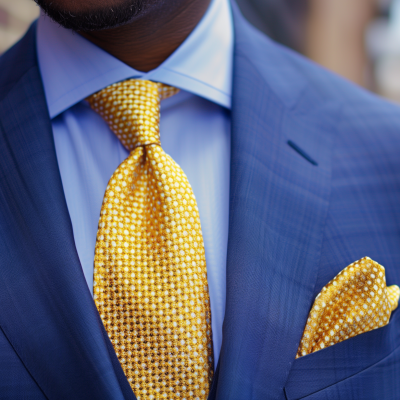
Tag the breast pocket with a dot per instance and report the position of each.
(349, 359)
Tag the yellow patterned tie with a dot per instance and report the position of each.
(356, 301)
(150, 278)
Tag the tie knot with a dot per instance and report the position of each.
(132, 110)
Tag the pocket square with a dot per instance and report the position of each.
(356, 301)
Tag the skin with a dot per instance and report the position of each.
(150, 37)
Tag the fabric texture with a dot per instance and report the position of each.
(356, 301)
(292, 228)
(150, 273)
(194, 131)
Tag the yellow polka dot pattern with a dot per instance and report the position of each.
(150, 278)
(356, 301)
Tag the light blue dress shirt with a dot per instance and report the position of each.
(194, 129)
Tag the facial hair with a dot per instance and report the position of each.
(93, 20)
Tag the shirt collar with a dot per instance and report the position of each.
(73, 68)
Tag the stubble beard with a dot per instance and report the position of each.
(105, 17)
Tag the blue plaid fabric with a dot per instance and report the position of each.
(294, 224)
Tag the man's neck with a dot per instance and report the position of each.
(145, 43)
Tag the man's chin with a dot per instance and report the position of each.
(80, 16)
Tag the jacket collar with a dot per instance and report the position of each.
(278, 207)
(47, 312)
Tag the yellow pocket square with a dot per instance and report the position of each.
(356, 301)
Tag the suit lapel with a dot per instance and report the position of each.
(278, 207)
(46, 312)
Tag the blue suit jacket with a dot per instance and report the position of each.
(293, 226)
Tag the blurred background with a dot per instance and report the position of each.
(15, 17)
(358, 39)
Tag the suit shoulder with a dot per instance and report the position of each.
(290, 74)
(305, 87)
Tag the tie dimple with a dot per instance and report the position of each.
(150, 278)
